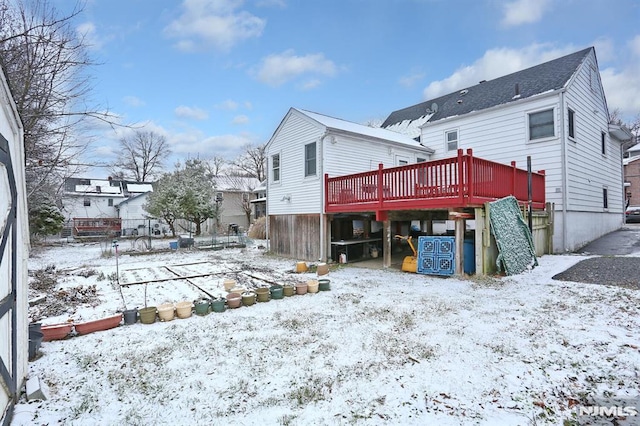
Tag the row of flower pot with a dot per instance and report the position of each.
(64, 330)
(236, 298)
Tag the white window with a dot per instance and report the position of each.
(275, 167)
(541, 124)
(87, 202)
(310, 159)
(451, 137)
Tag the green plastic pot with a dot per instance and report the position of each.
(202, 307)
(324, 284)
(276, 291)
(218, 305)
(147, 315)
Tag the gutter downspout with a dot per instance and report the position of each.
(323, 242)
(565, 167)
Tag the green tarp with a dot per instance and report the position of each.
(516, 252)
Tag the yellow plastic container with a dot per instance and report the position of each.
(301, 267)
(312, 286)
(166, 312)
(183, 309)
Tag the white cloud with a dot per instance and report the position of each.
(133, 101)
(278, 69)
(495, 63)
(523, 12)
(228, 105)
(412, 78)
(622, 82)
(192, 113)
(87, 32)
(240, 119)
(310, 84)
(215, 23)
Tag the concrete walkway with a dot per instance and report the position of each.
(625, 240)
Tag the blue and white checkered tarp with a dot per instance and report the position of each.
(436, 255)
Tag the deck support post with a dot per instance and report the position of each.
(386, 258)
(459, 235)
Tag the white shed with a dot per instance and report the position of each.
(14, 253)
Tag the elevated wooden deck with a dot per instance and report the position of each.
(461, 181)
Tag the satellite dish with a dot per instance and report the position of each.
(434, 107)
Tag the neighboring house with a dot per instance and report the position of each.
(632, 180)
(14, 254)
(555, 113)
(260, 200)
(92, 203)
(235, 195)
(304, 148)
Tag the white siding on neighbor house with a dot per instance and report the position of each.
(304, 192)
(132, 209)
(501, 135)
(73, 206)
(589, 171)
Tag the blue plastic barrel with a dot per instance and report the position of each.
(173, 245)
(469, 255)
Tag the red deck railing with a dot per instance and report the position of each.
(461, 181)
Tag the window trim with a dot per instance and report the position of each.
(528, 121)
(308, 160)
(447, 141)
(273, 168)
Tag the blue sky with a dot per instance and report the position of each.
(213, 75)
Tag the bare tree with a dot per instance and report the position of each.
(141, 156)
(252, 161)
(45, 63)
(216, 166)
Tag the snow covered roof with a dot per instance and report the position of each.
(542, 78)
(236, 183)
(139, 187)
(337, 124)
(96, 186)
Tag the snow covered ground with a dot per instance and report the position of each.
(382, 347)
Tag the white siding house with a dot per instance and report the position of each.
(556, 113)
(304, 148)
(14, 253)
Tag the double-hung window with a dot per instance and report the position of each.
(541, 124)
(451, 138)
(275, 167)
(310, 159)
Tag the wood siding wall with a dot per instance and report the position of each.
(295, 236)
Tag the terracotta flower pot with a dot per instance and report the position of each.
(288, 290)
(55, 331)
(184, 309)
(166, 312)
(301, 288)
(263, 294)
(323, 269)
(98, 325)
(234, 300)
(147, 315)
(312, 286)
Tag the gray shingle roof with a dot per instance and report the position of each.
(546, 77)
